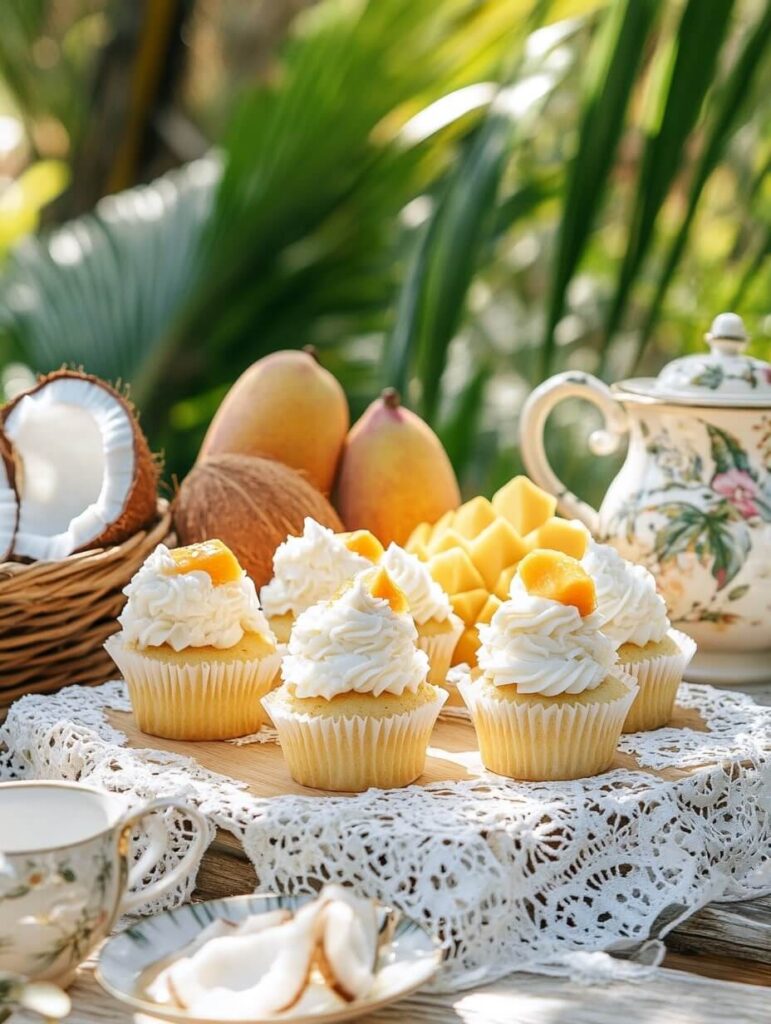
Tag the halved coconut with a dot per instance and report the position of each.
(9, 499)
(86, 475)
(348, 947)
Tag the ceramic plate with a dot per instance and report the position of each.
(130, 959)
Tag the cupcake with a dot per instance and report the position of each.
(195, 649)
(547, 699)
(635, 619)
(439, 628)
(355, 709)
(312, 568)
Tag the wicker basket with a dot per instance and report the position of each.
(55, 616)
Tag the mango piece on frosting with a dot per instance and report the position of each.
(363, 543)
(454, 571)
(472, 517)
(468, 604)
(524, 504)
(210, 556)
(565, 535)
(492, 604)
(559, 577)
(381, 585)
(501, 589)
(497, 546)
(465, 652)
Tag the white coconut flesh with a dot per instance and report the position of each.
(9, 510)
(74, 441)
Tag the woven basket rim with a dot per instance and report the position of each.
(14, 573)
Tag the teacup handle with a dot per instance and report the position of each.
(532, 422)
(159, 842)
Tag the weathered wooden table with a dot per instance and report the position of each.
(718, 970)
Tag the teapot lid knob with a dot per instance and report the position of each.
(727, 333)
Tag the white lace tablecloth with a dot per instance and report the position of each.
(545, 877)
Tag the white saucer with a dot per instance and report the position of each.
(729, 668)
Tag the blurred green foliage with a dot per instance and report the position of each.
(457, 198)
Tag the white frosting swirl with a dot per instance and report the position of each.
(426, 598)
(354, 644)
(632, 610)
(187, 609)
(545, 647)
(309, 569)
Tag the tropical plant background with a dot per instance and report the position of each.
(455, 198)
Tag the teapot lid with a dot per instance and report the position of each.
(723, 376)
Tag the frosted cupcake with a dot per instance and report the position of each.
(635, 619)
(439, 628)
(547, 699)
(195, 649)
(355, 709)
(313, 568)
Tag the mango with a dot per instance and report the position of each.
(363, 543)
(468, 604)
(454, 571)
(501, 589)
(496, 547)
(473, 516)
(420, 535)
(558, 577)
(465, 652)
(394, 473)
(284, 407)
(443, 523)
(445, 541)
(490, 608)
(565, 535)
(381, 585)
(524, 505)
(210, 556)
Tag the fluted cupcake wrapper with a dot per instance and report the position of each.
(538, 742)
(658, 679)
(440, 648)
(351, 753)
(206, 700)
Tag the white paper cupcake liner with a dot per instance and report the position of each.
(440, 648)
(539, 742)
(351, 753)
(658, 679)
(205, 700)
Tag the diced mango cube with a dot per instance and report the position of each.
(419, 550)
(473, 517)
(454, 571)
(364, 543)
(446, 541)
(523, 504)
(496, 547)
(501, 589)
(465, 652)
(381, 585)
(210, 556)
(468, 604)
(558, 577)
(566, 535)
(420, 535)
(492, 605)
(443, 523)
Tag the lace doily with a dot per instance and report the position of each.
(541, 877)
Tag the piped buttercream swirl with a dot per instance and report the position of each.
(354, 644)
(309, 569)
(631, 608)
(545, 647)
(425, 597)
(187, 609)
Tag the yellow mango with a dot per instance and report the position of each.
(501, 589)
(419, 550)
(472, 517)
(420, 535)
(210, 556)
(465, 652)
(491, 607)
(566, 535)
(381, 585)
(443, 523)
(524, 504)
(454, 571)
(497, 546)
(446, 541)
(363, 543)
(558, 577)
(468, 604)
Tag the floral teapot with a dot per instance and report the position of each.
(693, 498)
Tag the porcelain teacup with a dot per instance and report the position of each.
(66, 871)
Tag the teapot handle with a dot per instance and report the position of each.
(536, 411)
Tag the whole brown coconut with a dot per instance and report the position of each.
(249, 503)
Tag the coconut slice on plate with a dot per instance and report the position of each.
(9, 500)
(86, 475)
(348, 945)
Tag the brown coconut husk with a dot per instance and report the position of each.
(9, 465)
(251, 504)
(141, 502)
